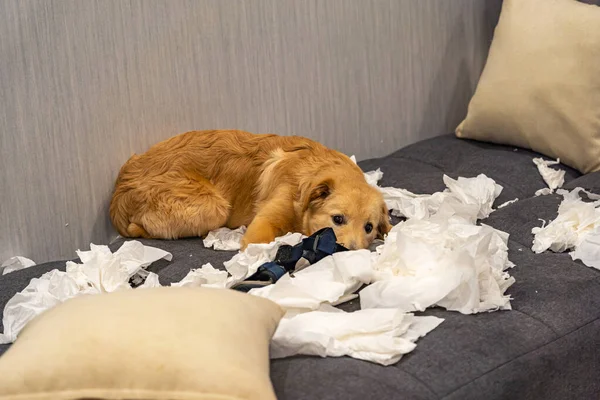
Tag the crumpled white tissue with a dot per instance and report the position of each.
(577, 228)
(480, 191)
(554, 178)
(588, 251)
(474, 195)
(404, 203)
(15, 264)
(151, 281)
(373, 177)
(445, 261)
(205, 276)
(246, 263)
(100, 271)
(379, 335)
(325, 281)
(225, 238)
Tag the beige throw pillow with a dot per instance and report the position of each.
(163, 343)
(540, 88)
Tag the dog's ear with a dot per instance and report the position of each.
(316, 194)
(384, 225)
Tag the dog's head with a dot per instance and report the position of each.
(347, 203)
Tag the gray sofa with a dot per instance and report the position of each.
(547, 347)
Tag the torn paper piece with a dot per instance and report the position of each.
(575, 194)
(480, 191)
(380, 336)
(575, 220)
(554, 178)
(15, 264)
(373, 177)
(325, 281)
(246, 263)
(225, 239)
(205, 276)
(471, 198)
(100, 271)
(508, 203)
(151, 281)
(543, 192)
(404, 203)
(588, 251)
(450, 263)
(41, 294)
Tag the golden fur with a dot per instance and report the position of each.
(202, 180)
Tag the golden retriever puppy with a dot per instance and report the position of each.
(202, 180)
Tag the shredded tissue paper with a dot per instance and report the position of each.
(554, 178)
(576, 228)
(15, 263)
(439, 256)
(224, 238)
(100, 271)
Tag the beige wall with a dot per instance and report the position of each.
(85, 83)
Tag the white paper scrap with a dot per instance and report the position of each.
(480, 191)
(381, 336)
(373, 177)
(576, 219)
(588, 251)
(225, 238)
(246, 263)
(326, 281)
(100, 271)
(472, 198)
(15, 264)
(543, 192)
(508, 203)
(205, 276)
(150, 282)
(554, 178)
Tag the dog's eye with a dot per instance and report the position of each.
(369, 227)
(338, 219)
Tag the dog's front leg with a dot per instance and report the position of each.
(260, 230)
(273, 219)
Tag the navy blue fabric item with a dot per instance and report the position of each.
(314, 248)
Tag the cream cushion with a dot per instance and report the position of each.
(540, 88)
(163, 343)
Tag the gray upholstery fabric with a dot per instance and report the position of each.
(547, 347)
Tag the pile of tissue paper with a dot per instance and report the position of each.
(100, 271)
(470, 197)
(438, 257)
(576, 228)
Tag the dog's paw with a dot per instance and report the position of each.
(257, 234)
